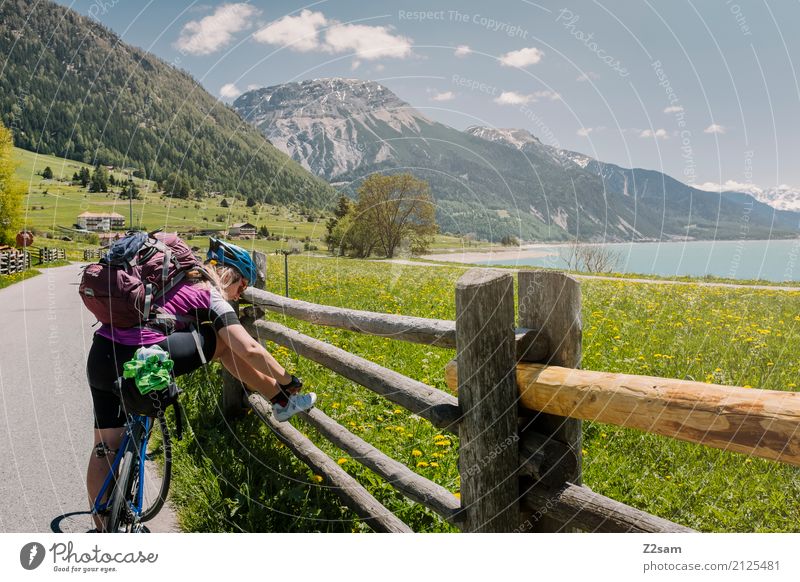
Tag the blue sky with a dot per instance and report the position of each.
(707, 92)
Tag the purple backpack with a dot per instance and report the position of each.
(121, 289)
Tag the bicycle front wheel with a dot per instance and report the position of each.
(158, 469)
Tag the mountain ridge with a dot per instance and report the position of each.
(496, 182)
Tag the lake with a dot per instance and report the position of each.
(775, 260)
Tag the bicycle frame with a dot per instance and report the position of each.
(136, 508)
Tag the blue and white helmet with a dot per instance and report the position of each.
(231, 255)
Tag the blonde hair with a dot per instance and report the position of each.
(213, 274)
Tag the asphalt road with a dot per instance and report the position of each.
(45, 406)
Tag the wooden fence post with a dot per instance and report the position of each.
(487, 395)
(234, 393)
(551, 302)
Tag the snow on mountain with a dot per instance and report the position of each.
(781, 197)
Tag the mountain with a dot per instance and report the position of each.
(782, 197)
(492, 182)
(72, 88)
(345, 129)
(654, 194)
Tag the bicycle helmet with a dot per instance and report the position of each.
(231, 255)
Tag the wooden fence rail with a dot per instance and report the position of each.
(761, 423)
(12, 262)
(521, 400)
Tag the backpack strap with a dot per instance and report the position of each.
(196, 337)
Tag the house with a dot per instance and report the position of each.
(242, 230)
(100, 221)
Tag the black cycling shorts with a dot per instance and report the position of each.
(106, 359)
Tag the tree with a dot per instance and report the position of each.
(397, 208)
(263, 231)
(84, 176)
(592, 258)
(344, 206)
(251, 202)
(99, 181)
(76, 178)
(351, 237)
(12, 191)
(224, 203)
(509, 241)
(47, 173)
(177, 186)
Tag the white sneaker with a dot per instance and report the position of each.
(297, 403)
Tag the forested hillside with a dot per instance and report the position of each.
(72, 88)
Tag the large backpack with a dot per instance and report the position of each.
(122, 288)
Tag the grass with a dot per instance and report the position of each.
(237, 477)
(8, 280)
(53, 203)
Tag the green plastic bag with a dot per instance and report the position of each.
(151, 368)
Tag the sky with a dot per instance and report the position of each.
(705, 91)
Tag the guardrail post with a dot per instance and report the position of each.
(234, 393)
(551, 302)
(487, 395)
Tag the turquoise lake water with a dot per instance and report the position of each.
(775, 260)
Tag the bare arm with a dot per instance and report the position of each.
(246, 348)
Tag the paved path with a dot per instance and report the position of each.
(45, 406)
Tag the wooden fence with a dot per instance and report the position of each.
(91, 254)
(14, 262)
(521, 400)
(48, 255)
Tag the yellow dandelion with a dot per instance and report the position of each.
(457, 495)
(416, 453)
(442, 443)
(434, 464)
(422, 464)
(318, 478)
(342, 461)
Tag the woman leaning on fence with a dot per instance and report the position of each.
(203, 298)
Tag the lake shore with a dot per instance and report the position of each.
(536, 251)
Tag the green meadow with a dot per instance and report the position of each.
(237, 477)
(57, 203)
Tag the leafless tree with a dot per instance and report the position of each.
(591, 258)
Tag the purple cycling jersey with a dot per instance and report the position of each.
(187, 300)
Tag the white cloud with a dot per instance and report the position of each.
(728, 186)
(368, 42)
(588, 76)
(462, 50)
(522, 57)
(253, 87)
(673, 109)
(299, 33)
(714, 128)
(215, 32)
(513, 98)
(585, 131)
(355, 64)
(230, 91)
(446, 96)
(658, 133)
(552, 95)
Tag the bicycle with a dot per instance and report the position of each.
(137, 494)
